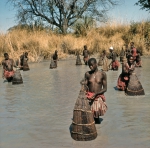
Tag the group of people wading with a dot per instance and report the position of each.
(95, 80)
(8, 64)
(21, 64)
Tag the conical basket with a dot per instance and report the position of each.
(100, 62)
(17, 78)
(52, 64)
(78, 60)
(83, 124)
(25, 66)
(105, 64)
(134, 87)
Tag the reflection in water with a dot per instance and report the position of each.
(38, 112)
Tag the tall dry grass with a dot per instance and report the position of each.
(42, 44)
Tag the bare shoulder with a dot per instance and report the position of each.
(126, 65)
(102, 73)
(87, 73)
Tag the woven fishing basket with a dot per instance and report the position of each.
(52, 64)
(105, 65)
(100, 62)
(83, 124)
(25, 66)
(134, 87)
(17, 78)
(78, 60)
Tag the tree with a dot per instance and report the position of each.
(82, 26)
(144, 4)
(61, 13)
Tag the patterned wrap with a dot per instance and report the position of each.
(98, 104)
(8, 74)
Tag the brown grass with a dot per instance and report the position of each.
(42, 44)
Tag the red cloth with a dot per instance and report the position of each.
(90, 94)
(98, 104)
(8, 74)
(134, 52)
(115, 64)
(122, 82)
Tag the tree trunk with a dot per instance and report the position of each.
(65, 26)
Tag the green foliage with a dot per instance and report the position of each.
(83, 25)
(134, 28)
(31, 27)
(141, 29)
(61, 13)
(144, 4)
(146, 30)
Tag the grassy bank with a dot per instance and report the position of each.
(41, 44)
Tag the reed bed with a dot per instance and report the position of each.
(41, 44)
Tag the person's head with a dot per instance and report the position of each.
(111, 49)
(56, 51)
(26, 54)
(85, 47)
(92, 64)
(6, 56)
(132, 45)
(104, 51)
(130, 59)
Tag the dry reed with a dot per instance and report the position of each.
(42, 44)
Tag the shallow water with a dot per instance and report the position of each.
(38, 113)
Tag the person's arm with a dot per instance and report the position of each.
(109, 56)
(3, 70)
(85, 81)
(138, 52)
(14, 64)
(86, 78)
(131, 70)
(21, 61)
(125, 69)
(114, 56)
(57, 58)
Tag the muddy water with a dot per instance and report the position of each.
(38, 113)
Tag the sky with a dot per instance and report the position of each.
(126, 11)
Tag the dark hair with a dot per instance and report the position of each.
(92, 59)
(104, 51)
(5, 54)
(129, 56)
(132, 43)
(85, 47)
